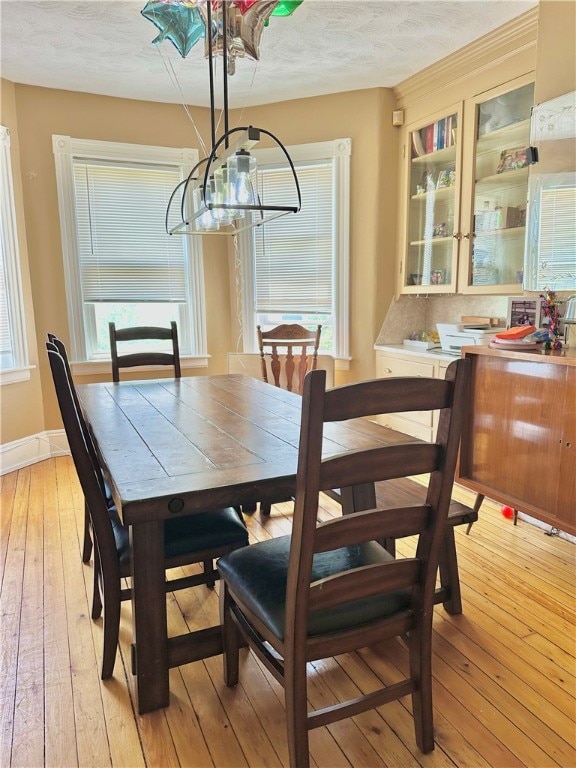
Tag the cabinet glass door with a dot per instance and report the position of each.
(500, 190)
(431, 259)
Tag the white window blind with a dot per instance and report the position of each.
(551, 244)
(124, 253)
(5, 338)
(294, 258)
(13, 348)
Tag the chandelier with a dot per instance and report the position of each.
(221, 193)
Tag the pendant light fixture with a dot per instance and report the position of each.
(220, 195)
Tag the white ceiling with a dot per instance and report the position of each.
(326, 46)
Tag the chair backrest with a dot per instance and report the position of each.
(57, 345)
(290, 348)
(87, 473)
(142, 333)
(365, 466)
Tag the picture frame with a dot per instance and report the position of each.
(513, 159)
(524, 310)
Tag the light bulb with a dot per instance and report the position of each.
(206, 220)
(222, 196)
(244, 164)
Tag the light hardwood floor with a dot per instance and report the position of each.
(504, 670)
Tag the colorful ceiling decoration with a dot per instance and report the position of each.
(185, 22)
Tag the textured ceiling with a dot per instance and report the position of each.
(327, 46)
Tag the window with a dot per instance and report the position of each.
(295, 269)
(550, 262)
(13, 351)
(120, 264)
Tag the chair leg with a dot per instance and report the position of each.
(96, 598)
(209, 573)
(87, 545)
(230, 638)
(297, 714)
(449, 576)
(477, 505)
(421, 672)
(265, 508)
(112, 603)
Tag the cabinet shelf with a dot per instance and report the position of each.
(444, 193)
(504, 232)
(507, 137)
(508, 179)
(432, 241)
(440, 157)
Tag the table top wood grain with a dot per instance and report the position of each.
(178, 446)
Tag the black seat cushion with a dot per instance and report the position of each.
(258, 574)
(194, 533)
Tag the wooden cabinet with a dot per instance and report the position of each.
(390, 363)
(466, 188)
(519, 443)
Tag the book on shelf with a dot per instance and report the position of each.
(442, 134)
(417, 146)
(429, 138)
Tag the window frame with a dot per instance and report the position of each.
(67, 149)
(339, 152)
(20, 368)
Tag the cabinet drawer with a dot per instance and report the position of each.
(387, 367)
(408, 426)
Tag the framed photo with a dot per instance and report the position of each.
(513, 159)
(524, 311)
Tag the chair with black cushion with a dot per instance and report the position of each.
(287, 353)
(144, 357)
(331, 588)
(198, 538)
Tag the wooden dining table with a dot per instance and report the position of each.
(174, 447)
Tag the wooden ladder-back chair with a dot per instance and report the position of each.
(289, 349)
(331, 587)
(143, 333)
(198, 538)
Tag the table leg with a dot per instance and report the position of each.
(150, 632)
(358, 498)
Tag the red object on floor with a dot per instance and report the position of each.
(508, 512)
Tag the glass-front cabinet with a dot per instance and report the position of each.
(432, 251)
(467, 190)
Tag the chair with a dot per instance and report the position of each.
(142, 333)
(331, 588)
(192, 539)
(284, 364)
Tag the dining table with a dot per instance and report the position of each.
(180, 446)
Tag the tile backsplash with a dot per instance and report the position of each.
(414, 313)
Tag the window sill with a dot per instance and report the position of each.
(89, 367)
(16, 375)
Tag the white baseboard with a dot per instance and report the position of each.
(29, 450)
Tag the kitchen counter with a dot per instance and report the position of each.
(425, 354)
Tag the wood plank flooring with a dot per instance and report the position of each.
(504, 670)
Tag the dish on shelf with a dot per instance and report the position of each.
(514, 344)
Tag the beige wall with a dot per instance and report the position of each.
(21, 404)
(556, 63)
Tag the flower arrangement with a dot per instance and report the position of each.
(551, 318)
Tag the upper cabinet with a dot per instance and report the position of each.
(467, 177)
